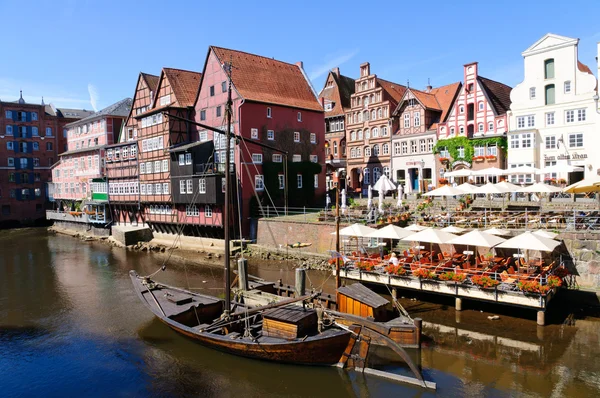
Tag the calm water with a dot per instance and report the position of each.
(70, 325)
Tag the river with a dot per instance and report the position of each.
(70, 325)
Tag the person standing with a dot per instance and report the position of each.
(401, 190)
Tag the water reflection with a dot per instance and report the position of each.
(70, 324)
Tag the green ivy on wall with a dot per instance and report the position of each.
(452, 145)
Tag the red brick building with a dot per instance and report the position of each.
(273, 103)
(369, 128)
(31, 136)
(335, 97)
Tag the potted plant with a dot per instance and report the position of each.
(491, 157)
(364, 266)
(444, 160)
(484, 282)
(553, 281)
(478, 158)
(423, 273)
(395, 270)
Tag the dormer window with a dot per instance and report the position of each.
(470, 87)
(328, 106)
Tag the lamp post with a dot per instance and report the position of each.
(422, 164)
(596, 98)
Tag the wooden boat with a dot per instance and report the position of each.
(299, 245)
(280, 334)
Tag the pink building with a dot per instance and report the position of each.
(275, 104)
(74, 174)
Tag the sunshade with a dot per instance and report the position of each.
(477, 238)
(357, 230)
(446, 190)
(459, 173)
(384, 184)
(466, 187)
(430, 235)
(390, 232)
(560, 168)
(491, 171)
(591, 184)
(508, 187)
(523, 170)
(453, 230)
(489, 188)
(415, 228)
(539, 187)
(529, 241)
(545, 234)
(497, 231)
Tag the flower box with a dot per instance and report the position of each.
(491, 157)
(444, 160)
(478, 158)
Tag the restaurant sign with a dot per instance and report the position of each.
(566, 156)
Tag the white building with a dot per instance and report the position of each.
(552, 118)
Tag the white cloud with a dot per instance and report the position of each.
(34, 91)
(94, 97)
(330, 64)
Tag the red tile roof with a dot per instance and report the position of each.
(151, 80)
(445, 96)
(263, 79)
(584, 68)
(339, 94)
(395, 90)
(498, 94)
(185, 85)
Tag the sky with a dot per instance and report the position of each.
(88, 53)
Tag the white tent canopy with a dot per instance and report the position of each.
(431, 235)
(477, 238)
(446, 190)
(539, 187)
(390, 232)
(530, 241)
(384, 185)
(357, 230)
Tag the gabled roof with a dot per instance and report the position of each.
(151, 80)
(395, 90)
(267, 80)
(445, 96)
(550, 40)
(185, 85)
(497, 93)
(584, 68)
(120, 109)
(339, 94)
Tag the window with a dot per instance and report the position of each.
(277, 158)
(9, 129)
(10, 145)
(479, 150)
(36, 162)
(203, 114)
(550, 142)
(270, 134)
(165, 100)
(259, 182)
(203, 136)
(481, 105)
(34, 131)
(181, 186)
(34, 116)
(580, 115)
(299, 180)
(452, 130)
(165, 165)
(219, 111)
(23, 147)
(570, 116)
(254, 134)
(376, 173)
(165, 188)
(385, 149)
(149, 169)
(461, 152)
(335, 148)
(549, 118)
(11, 178)
(157, 166)
(188, 158)
(296, 136)
(202, 185)
(212, 91)
(417, 119)
(367, 134)
(296, 158)
(413, 147)
(532, 93)
(527, 140)
(316, 182)
(190, 186)
(396, 148)
(461, 130)
(48, 146)
(207, 211)
(8, 114)
(406, 120)
(353, 136)
(313, 138)
(367, 176)
(299, 116)
(223, 87)
(567, 87)
(549, 94)
(11, 162)
(549, 69)
(376, 150)
(430, 144)
(531, 121)
(480, 127)
(492, 150)
(257, 158)
(314, 158)
(576, 140)
(353, 153)
(268, 112)
(181, 159)
(142, 168)
(48, 131)
(461, 109)
(422, 147)
(520, 122)
(367, 151)
(157, 189)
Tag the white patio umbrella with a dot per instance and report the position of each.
(343, 199)
(431, 236)
(446, 190)
(459, 173)
(380, 202)
(399, 202)
(529, 241)
(522, 170)
(590, 184)
(384, 185)
(545, 234)
(497, 231)
(508, 187)
(356, 230)
(390, 232)
(370, 198)
(539, 187)
(489, 188)
(415, 228)
(560, 168)
(466, 187)
(453, 230)
(490, 171)
(477, 238)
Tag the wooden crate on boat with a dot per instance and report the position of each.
(359, 300)
(289, 322)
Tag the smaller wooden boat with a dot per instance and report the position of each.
(299, 245)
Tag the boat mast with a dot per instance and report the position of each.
(337, 235)
(227, 67)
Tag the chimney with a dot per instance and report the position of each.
(365, 69)
(429, 88)
(300, 64)
(336, 71)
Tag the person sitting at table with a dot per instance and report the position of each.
(394, 259)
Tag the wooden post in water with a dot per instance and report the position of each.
(243, 274)
(300, 282)
(337, 237)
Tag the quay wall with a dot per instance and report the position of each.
(82, 228)
(581, 249)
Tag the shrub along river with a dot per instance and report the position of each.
(71, 325)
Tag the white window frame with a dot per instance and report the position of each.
(208, 211)
(257, 158)
(578, 137)
(281, 180)
(299, 117)
(269, 112)
(188, 158)
(202, 185)
(277, 158)
(189, 185)
(313, 138)
(182, 159)
(270, 134)
(567, 87)
(259, 182)
(296, 136)
(550, 120)
(296, 158)
(531, 92)
(182, 187)
(299, 181)
(254, 134)
(550, 142)
(165, 165)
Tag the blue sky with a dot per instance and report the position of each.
(65, 49)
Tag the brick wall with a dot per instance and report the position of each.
(272, 233)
